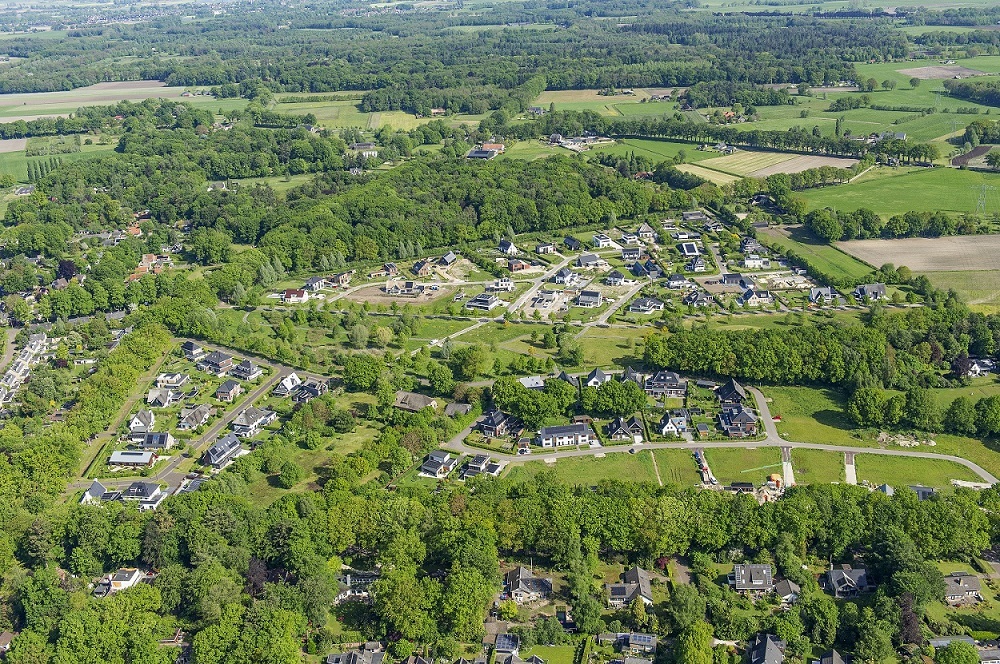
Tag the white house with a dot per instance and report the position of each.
(562, 436)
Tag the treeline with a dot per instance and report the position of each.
(834, 225)
(727, 93)
(982, 131)
(161, 113)
(421, 101)
(981, 92)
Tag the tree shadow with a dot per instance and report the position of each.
(977, 622)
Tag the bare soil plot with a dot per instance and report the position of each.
(941, 254)
(13, 145)
(710, 175)
(46, 104)
(746, 162)
(803, 163)
(940, 71)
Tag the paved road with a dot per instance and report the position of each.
(850, 470)
(9, 351)
(456, 444)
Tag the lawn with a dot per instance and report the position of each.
(903, 471)
(817, 466)
(810, 415)
(677, 467)
(753, 464)
(552, 654)
(925, 190)
(588, 471)
(830, 260)
(531, 150)
(980, 289)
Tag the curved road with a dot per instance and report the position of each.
(772, 438)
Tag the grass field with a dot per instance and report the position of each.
(743, 465)
(339, 113)
(531, 150)
(588, 471)
(810, 415)
(656, 149)
(941, 254)
(16, 164)
(745, 162)
(41, 104)
(817, 466)
(589, 100)
(712, 176)
(612, 347)
(979, 288)
(676, 467)
(902, 471)
(829, 259)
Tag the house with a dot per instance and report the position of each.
(635, 584)
(565, 276)
(632, 376)
(141, 423)
(507, 248)
(688, 249)
(342, 279)
(192, 351)
(846, 581)
(766, 649)
(572, 380)
(923, 492)
(544, 299)
(404, 288)
(677, 281)
(192, 418)
(493, 147)
(696, 265)
(702, 430)
(665, 384)
(545, 248)
(414, 402)
(365, 655)
(438, 464)
(495, 424)
(148, 495)
(250, 422)
(286, 385)
(156, 441)
(6, 638)
(123, 579)
(159, 398)
(602, 241)
(756, 262)
(532, 382)
(980, 367)
(629, 643)
(517, 265)
(822, 295)
(732, 393)
(572, 243)
(387, 270)
(630, 239)
(228, 391)
(788, 591)
(216, 362)
(614, 278)
(171, 381)
(484, 302)
(477, 153)
(568, 434)
(507, 644)
(132, 458)
(523, 586)
(695, 215)
(421, 268)
(873, 292)
(315, 284)
(622, 429)
(752, 578)
(672, 425)
(481, 465)
(961, 587)
(734, 279)
(829, 657)
(247, 370)
(502, 285)
(630, 254)
(590, 261)
(222, 452)
(596, 378)
(738, 421)
(94, 494)
(755, 298)
(750, 245)
(309, 390)
(457, 409)
(294, 296)
(646, 233)
(645, 305)
(448, 259)
(589, 299)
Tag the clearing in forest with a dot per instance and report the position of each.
(940, 72)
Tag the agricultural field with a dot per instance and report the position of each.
(902, 471)
(588, 100)
(339, 112)
(29, 106)
(715, 177)
(657, 150)
(762, 164)
(754, 464)
(980, 289)
(817, 466)
(941, 254)
(829, 259)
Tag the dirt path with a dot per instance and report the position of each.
(655, 467)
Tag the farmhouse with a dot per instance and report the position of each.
(561, 436)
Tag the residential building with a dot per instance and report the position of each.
(517, 265)
(421, 268)
(495, 424)
(365, 655)
(148, 495)
(216, 362)
(614, 278)
(507, 248)
(314, 284)
(822, 295)
(222, 452)
(247, 370)
(477, 153)
(873, 292)
(141, 424)
(481, 465)
(646, 233)
(414, 402)
(156, 441)
(403, 288)
(545, 248)
(590, 261)
(766, 649)
(696, 264)
(750, 245)
(342, 279)
(961, 587)
(523, 586)
(677, 281)
(457, 409)
(732, 393)
(645, 305)
(507, 644)
(665, 384)
(251, 421)
(630, 375)
(171, 381)
(695, 215)
(568, 434)
(596, 378)
(448, 259)
(229, 391)
(6, 639)
(846, 581)
(572, 380)
(755, 298)
(192, 351)
(309, 390)
(287, 384)
(532, 382)
(439, 464)
(602, 241)
(738, 421)
(630, 239)
(294, 296)
(484, 302)
(565, 276)
(735, 279)
(192, 418)
(635, 583)
(830, 657)
(572, 243)
(752, 578)
(756, 262)
(672, 425)
(626, 429)
(132, 458)
(631, 254)
(589, 299)
(159, 398)
(652, 269)
(123, 579)
(94, 494)
(788, 591)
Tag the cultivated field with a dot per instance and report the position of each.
(942, 254)
(746, 162)
(980, 289)
(28, 106)
(717, 177)
(940, 72)
(13, 145)
(803, 163)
